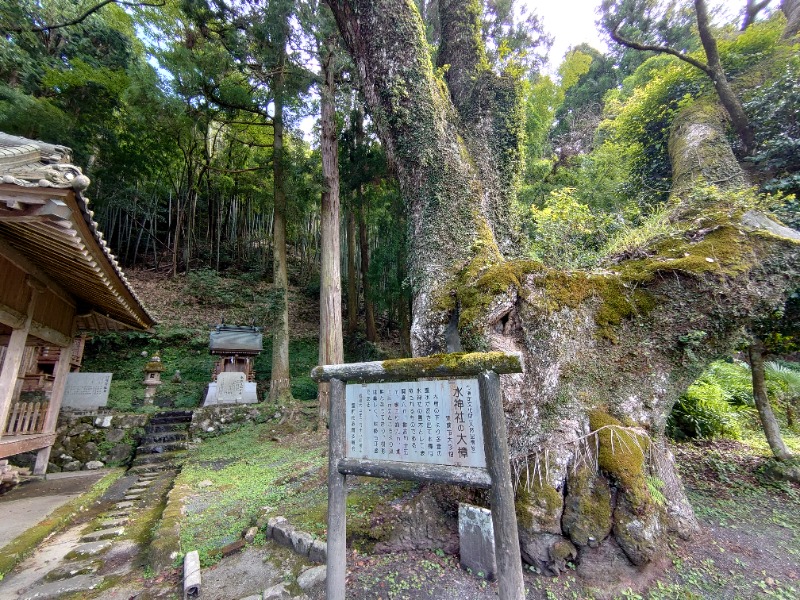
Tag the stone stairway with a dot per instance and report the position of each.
(86, 556)
(164, 443)
(76, 562)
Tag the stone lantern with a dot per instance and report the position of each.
(152, 378)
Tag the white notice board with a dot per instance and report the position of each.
(431, 422)
(86, 390)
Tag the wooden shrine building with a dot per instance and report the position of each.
(233, 379)
(58, 281)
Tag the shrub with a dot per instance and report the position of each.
(704, 412)
(565, 232)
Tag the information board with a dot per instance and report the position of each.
(86, 390)
(230, 387)
(432, 422)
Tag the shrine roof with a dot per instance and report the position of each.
(236, 339)
(45, 218)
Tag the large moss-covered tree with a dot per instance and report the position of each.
(607, 352)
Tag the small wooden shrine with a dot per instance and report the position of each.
(233, 377)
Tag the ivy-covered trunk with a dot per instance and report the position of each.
(606, 353)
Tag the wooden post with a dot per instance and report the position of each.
(337, 496)
(56, 396)
(13, 360)
(504, 518)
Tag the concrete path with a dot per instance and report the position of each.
(30, 503)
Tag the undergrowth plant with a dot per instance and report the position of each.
(719, 404)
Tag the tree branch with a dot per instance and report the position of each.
(662, 49)
(89, 12)
(751, 12)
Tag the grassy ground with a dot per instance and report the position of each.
(749, 546)
(230, 480)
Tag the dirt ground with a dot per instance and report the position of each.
(749, 547)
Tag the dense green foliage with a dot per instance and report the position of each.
(720, 403)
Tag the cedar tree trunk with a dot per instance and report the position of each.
(352, 283)
(331, 350)
(280, 382)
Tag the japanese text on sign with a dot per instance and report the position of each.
(433, 422)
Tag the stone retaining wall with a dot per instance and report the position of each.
(221, 418)
(95, 441)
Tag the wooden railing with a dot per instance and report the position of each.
(26, 418)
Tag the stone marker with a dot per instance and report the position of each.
(86, 390)
(312, 577)
(476, 540)
(231, 388)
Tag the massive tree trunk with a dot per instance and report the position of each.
(331, 350)
(606, 353)
(791, 8)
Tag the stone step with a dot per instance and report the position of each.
(159, 420)
(148, 459)
(161, 447)
(117, 522)
(116, 513)
(89, 549)
(166, 428)
(103, 534)
(155, 468)
(73, 569)
(173, 414)
(60, 588)
(165, 436)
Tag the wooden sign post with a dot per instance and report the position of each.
(422, 429)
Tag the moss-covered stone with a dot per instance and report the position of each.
(621, 454)
(561, 552)
(638, 534)
(538, 505)
(587, 508)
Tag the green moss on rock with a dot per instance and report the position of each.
(622, 455)
(725, 251)
(587, 508)
(538, 505)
